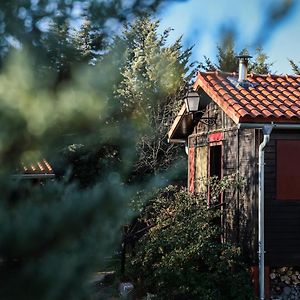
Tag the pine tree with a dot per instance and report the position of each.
(67, 48)
(207, 65)
(260, 64)
(227, 60)
(61, 53)
(89, 41)
(152, 69)
(53, 236)
(25, 22)
(295, 67)
(226, 57)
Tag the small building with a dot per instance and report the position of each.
(239, 118)
(37, 171)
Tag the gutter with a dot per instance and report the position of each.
(177, 141)
(266, 129)
(274, 125)
(32, 176)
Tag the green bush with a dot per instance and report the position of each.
(181, 255)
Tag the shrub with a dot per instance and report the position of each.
(181, 255)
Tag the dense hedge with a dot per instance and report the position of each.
(181, 255)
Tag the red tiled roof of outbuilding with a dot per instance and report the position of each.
(264, 98)
(39, 167)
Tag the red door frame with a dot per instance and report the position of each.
(220, 143)
(191, 170)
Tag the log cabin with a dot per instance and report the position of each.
(248, 125)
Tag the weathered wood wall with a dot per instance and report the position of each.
(247, 197)
(239, 158)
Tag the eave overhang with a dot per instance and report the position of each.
(182, 126)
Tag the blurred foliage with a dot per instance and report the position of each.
(181, 255)
(27, 22)
(53, 237)
(260, 65)
(273, 13)
(66, 48)
(226, 56)
(54, 234)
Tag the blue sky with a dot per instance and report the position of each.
(202, 23)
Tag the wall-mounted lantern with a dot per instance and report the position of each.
(192, 100)
(192, 103)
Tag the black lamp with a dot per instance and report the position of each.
(192, 100)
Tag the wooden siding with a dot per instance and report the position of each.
(282, 217)
(191, 170)
(239, 159)
(248, 193)
(201, 169)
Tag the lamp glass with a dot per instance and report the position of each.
(192, 102)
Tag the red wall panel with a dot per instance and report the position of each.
(216, 137)
(191, 170)
(288, 170)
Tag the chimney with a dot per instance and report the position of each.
(243, 67)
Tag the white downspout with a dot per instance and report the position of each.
(261, 199)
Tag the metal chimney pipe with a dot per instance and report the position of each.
(243, 66)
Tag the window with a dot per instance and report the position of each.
(215, 168)
(288, 170)
(216, 161)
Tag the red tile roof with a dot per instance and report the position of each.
(264, 98)
(40, 167)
